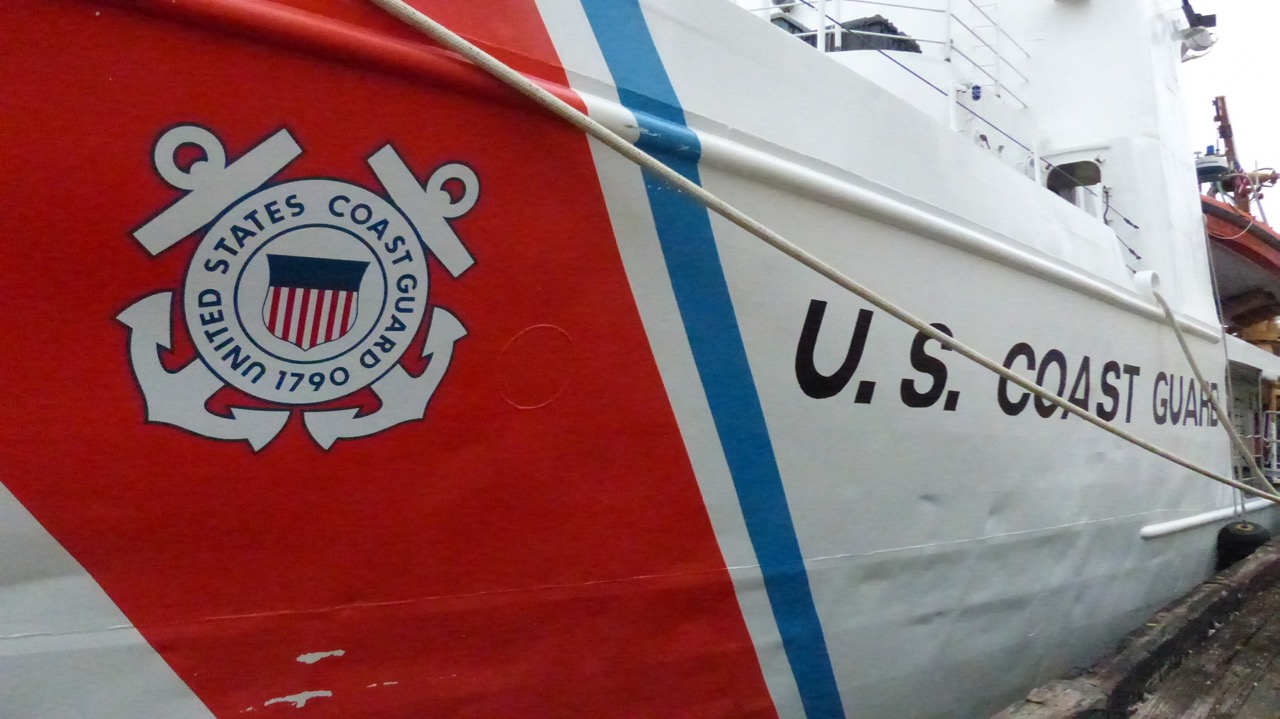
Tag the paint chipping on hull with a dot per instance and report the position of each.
(298, 700)
(313, 657)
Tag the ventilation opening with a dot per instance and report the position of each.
(882, 27)
(1065, 180)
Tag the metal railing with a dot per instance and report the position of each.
(1270, 450)
(830, 34)
(833, 27)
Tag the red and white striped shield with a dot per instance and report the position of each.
(311, 300)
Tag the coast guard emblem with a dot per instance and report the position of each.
(300, 292)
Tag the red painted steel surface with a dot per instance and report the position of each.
(490, 560)
(1242, 234)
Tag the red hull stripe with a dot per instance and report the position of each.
(351, 39)
(490, 559)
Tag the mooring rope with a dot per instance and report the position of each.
(1237, 441)
(616, 142)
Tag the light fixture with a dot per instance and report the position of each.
(1198, 39)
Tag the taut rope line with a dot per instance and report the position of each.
(616, 142)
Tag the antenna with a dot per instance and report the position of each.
(1195, 19)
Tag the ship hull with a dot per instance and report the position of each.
(611, 455)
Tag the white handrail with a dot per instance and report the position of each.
(821, 42)
(874, 34)
(996, 25)
(898, 5)
(996, 52)
(994, 79)
(832, 27)
(1173, 526)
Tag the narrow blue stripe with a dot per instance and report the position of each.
(702, 294)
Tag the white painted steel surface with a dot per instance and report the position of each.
(956, 558)
(66, 650)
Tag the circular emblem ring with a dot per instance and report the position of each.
(306, 291)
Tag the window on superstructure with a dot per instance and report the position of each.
(1071, 181)
(873, 33)
(790, 26)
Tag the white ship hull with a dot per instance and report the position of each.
(900, 531)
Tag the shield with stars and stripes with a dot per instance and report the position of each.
(311, 300)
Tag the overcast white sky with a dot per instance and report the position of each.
(1243, 67)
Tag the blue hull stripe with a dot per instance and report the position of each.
(702, 294)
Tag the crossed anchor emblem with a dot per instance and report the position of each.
(300, 292)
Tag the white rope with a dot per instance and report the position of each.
(1238, 500)
(1236, 440)
(524, 86)
(1241, 233)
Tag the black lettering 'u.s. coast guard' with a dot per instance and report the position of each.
(300, 292)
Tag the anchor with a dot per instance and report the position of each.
(404, 397)
(178, 398)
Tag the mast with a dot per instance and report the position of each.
(1241, 194)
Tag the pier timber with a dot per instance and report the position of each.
(1212, 654)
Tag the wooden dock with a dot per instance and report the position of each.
(1213, 654)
